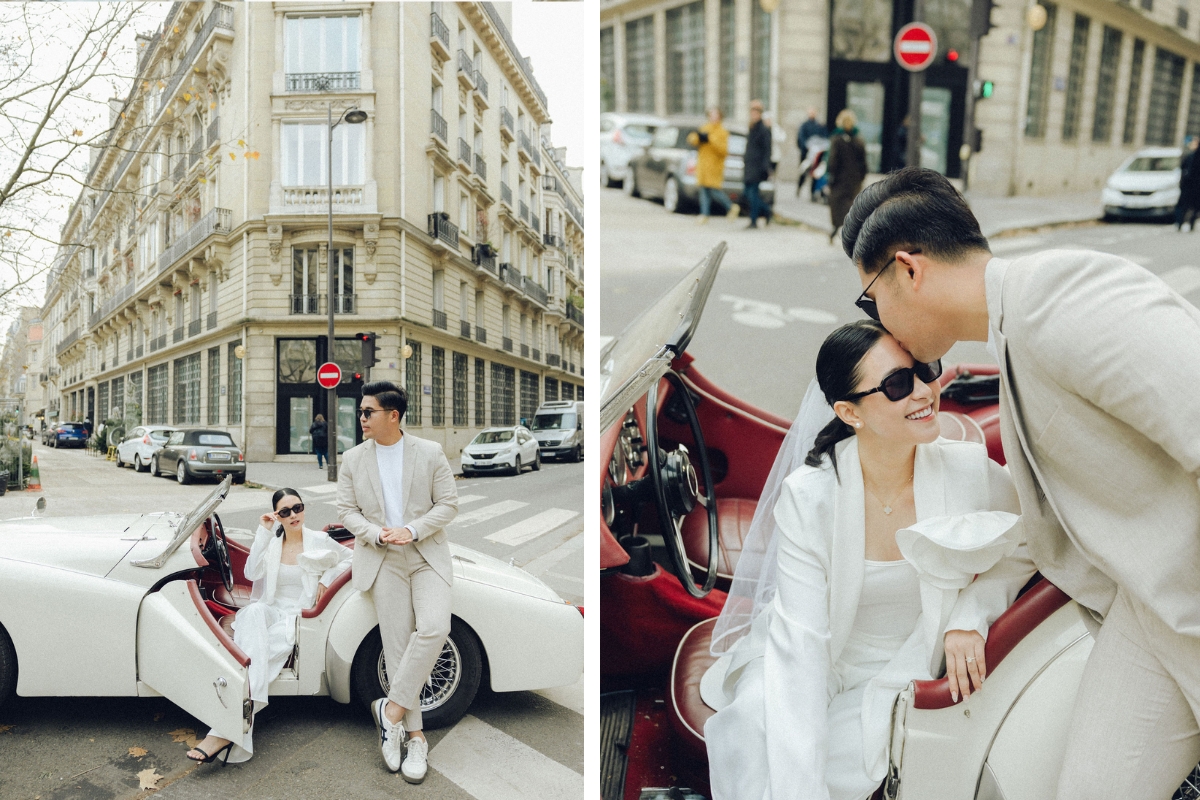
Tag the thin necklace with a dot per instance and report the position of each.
(887, 507)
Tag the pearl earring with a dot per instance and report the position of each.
(858, 424)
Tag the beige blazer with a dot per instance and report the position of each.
(1100, 419)
(430, 504)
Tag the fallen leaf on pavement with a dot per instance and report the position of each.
(5, 728)
(149, 778)
(137, 752)
(181, 734)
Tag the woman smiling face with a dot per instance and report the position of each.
(911, 420)
(294, 522)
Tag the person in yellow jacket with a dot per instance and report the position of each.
(711, 141)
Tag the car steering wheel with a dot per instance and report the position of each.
(216, 551)
(676, 490)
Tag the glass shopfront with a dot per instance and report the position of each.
(299, 399)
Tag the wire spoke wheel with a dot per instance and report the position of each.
(442, 682)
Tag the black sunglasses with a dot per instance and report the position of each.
(286, 512)
(899, 384)
(866, 303)
(366, 413)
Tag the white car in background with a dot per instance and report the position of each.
(496, 449)
(1146, 185)
(622, 137)
(141, 444)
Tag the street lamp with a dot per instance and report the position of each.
(354, 116)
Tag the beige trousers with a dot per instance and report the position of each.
(1134, 733)
(413, 605)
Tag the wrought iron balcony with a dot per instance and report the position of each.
(217, 220)
(480, 167)
(505, 194)
(441, 228)
(552, 240)
(158, 343)
(537, 354)
(129, 355)
(523, 210)
(524, 351)
(212, 320)
(536, 292)
(321, 81)
(480, 334)
(484, 256)
(481, 85)
(507, 344)
(68, 340)
(523, 142)
(571, 367)
(464, 329)
(512, 277)
(439, 319)
(194, 327)
(439, 37)
(305, 303)
(439, 128)
(466, 69)
(575, 314)
(553, 359)
(214, 129)
(180, 168)
(139, 351)
(194, 154)
(506, 123)
(178, 335)
(464, 152)
(345, 303)
(535, 222)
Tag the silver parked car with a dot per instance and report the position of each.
(192, 453)
(140, 445)
(622, 137)
(1146, 185)
(496, 449)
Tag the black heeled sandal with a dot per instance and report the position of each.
(227, 750)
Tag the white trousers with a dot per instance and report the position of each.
(1134, 733)
(737, 752)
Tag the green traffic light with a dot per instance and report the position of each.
(986, 89)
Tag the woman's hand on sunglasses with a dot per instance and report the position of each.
(267, 520)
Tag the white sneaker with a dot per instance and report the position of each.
(391, 735)
(416, 763)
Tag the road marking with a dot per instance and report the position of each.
(547, 560)
(488, 512)
(463, 499)
(1184, 280)
(758, 314)
(532, 527)
(486, 762)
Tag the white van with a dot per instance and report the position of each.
(558, 428)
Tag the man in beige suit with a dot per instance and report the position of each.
(396, 495)
(1100, 419)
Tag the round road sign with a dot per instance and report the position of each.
(329, 375)
(915, 46)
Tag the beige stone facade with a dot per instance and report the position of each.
(216, 235)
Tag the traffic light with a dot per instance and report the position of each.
(369, 356)
(952, 55)
(984, 89)
(981, 17)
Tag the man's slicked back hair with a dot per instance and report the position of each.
(389, 396)
(911, 208)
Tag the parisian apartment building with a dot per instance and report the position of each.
(192, 288)
(1073, 88)
(20, 391)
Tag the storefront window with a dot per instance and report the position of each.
(233, 399)
(862, 30)
(297, 361)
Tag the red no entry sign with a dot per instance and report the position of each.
(915, 46)
(329, 375)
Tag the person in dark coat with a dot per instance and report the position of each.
(757, 162)
(319, 431)
(902, 143)
(808, 130)
(1189, 186)
(847, 168)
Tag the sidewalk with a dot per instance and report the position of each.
(276, 475)
(996, 215)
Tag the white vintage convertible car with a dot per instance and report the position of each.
(139, 605)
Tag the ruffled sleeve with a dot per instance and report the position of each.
(948, 552)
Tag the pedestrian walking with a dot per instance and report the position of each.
(319, 432)
(757, 161)
(847, 168)
(711, 141)
(810, 129)
(1189, 186)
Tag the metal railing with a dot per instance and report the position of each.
(571, 367)
(180, 168)
(194, 327)
(345, 303)
(480, 166)
(440, 227)
(212, 320)
(507, 344)
(439, 30)
(535, 222)
(129, 354)
(466, 66)
(553, 359)
(158, 343)
(484, 256)
(439, 319)
(523, 210)
(552, 240)
(481, 335)
(214, 129)
(464, 329)
(178, 335)
(481, 84)
(68, 340)
(535, 153)
(506, 120)
(464, 152)
(316, 198)
(505, 193)
(322, 81)
(523, 142)
(112, 303)
(536, 292)
(512, 277)
(194, 154)
(217, 220)
(575, 313)
(439, 128)
(305, 303)
(537, 354)
(524, 351)
(139, 351)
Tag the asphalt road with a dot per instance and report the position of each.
(781, 289)
(510, 745)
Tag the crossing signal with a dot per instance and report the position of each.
(984, 89)
(369, 356)
(981, 18)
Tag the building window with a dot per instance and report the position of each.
(760, 56)
(1135, 91)
(305, 274)
(1075, 73)
(133, 399)
(156, 394)
(685, 59)
(608, 70)
(233, 396)
(503, 395)
(862, 30)
(551, 389)
(639, 65)
(102, 402)
(459, 390)
(343, 270)
(568, 391)
(322, 46)
(728, 58)
(304, 154)
(437, 394)
(214, 386)
(187, 390)
(118, 398)
(1165, 89)
(480, 395)
(1106, 85)
(1039, 76)
(297, 361)
(412, 384)
(529, 396)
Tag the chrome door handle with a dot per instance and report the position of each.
(219, 684)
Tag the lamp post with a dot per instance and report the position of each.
(354, 116)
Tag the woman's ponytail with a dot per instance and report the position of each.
(827, 440)
(837, 374)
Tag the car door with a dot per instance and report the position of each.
(657, 159)
(129, 445)
(170, 452)
(183, 655)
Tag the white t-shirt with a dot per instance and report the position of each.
(390, 459)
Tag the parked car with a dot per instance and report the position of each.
(686, 464)
(666, 169)
(139, 446)
(622, 137)
(1146, 185)
(145, 602)
(191, 453)
(558, 428)
(67, 434)
(497, 449)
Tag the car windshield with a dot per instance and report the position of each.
(188, 525)
(1153, 164)
(71, 427)
(642, 353)
(493, 437)
(160, 436)
(554, 422)
(217, 439)
(639, 134)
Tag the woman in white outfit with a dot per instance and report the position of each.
(860, 583)
(292, 566)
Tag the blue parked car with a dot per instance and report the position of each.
(69, 434)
